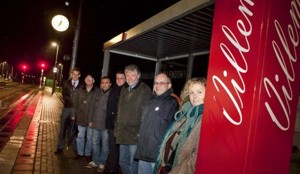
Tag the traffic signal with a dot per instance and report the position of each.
(24, 67)
(42, 65)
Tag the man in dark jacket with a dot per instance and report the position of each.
(69, 88)
(81, 107)
(112, 109)
(97, 117)
(133, 97)
(157, 116)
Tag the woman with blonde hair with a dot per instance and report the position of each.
(178, 151)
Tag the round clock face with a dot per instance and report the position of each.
(60, 23)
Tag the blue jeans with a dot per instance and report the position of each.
(127, 163)
(145, 167)
(64, 124)
(100, 157)
(84, 141)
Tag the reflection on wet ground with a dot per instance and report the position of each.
(14, 103)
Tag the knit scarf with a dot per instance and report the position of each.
(192, 114)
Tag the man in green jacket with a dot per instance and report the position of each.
(133, 97)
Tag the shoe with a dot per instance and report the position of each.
(101, 168)
(88, 158)
(58, 151)
(91, 165)
(77, 157)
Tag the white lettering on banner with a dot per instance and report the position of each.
(239, 63)
(286, 59)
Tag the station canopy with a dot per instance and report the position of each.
(182, 30)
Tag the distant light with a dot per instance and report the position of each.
(55, 70)
(67, 3)
(54, 44)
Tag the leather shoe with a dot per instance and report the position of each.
(58, 151)
(77, 157)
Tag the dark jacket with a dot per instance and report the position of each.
(82, 104)
(157, 116)
(130, 113)
(112, 106)
(97, 114)
(68, 92)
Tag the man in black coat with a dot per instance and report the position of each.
(68, 90)
(157, 115)
(112, 108)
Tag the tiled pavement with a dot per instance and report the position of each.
(32, 145)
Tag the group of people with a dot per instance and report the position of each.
(130, 126)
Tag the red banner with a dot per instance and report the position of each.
(252, 88)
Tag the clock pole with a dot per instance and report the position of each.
(76, 38)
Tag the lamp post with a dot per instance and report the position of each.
(41, 78)
(60, 23)
(55, 68)
(61, 74)
(24, 67)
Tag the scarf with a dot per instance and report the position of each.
(192, 115)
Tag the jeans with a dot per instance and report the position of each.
(64, 124)
(145, 167)
(100, 157)
(84, 141)
(113, 156)
(127, 163)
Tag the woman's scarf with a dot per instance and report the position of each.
(192, 115)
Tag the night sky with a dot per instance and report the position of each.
(26, 32)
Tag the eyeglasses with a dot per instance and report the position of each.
(160, 83)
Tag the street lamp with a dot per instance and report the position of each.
(61, 74)
(55, 68)
(24, 67)
(42, 71)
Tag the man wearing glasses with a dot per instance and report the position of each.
(68, 90)
(156, 117)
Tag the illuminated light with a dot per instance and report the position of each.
(60, 23)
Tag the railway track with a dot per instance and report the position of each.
(15, 100)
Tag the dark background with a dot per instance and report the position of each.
(26, 33)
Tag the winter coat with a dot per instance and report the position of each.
(68, 92)
(130, 113)
(112, 106)
(97, 114)
(157, 116)
(82, 104)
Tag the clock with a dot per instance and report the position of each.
(60, 23)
